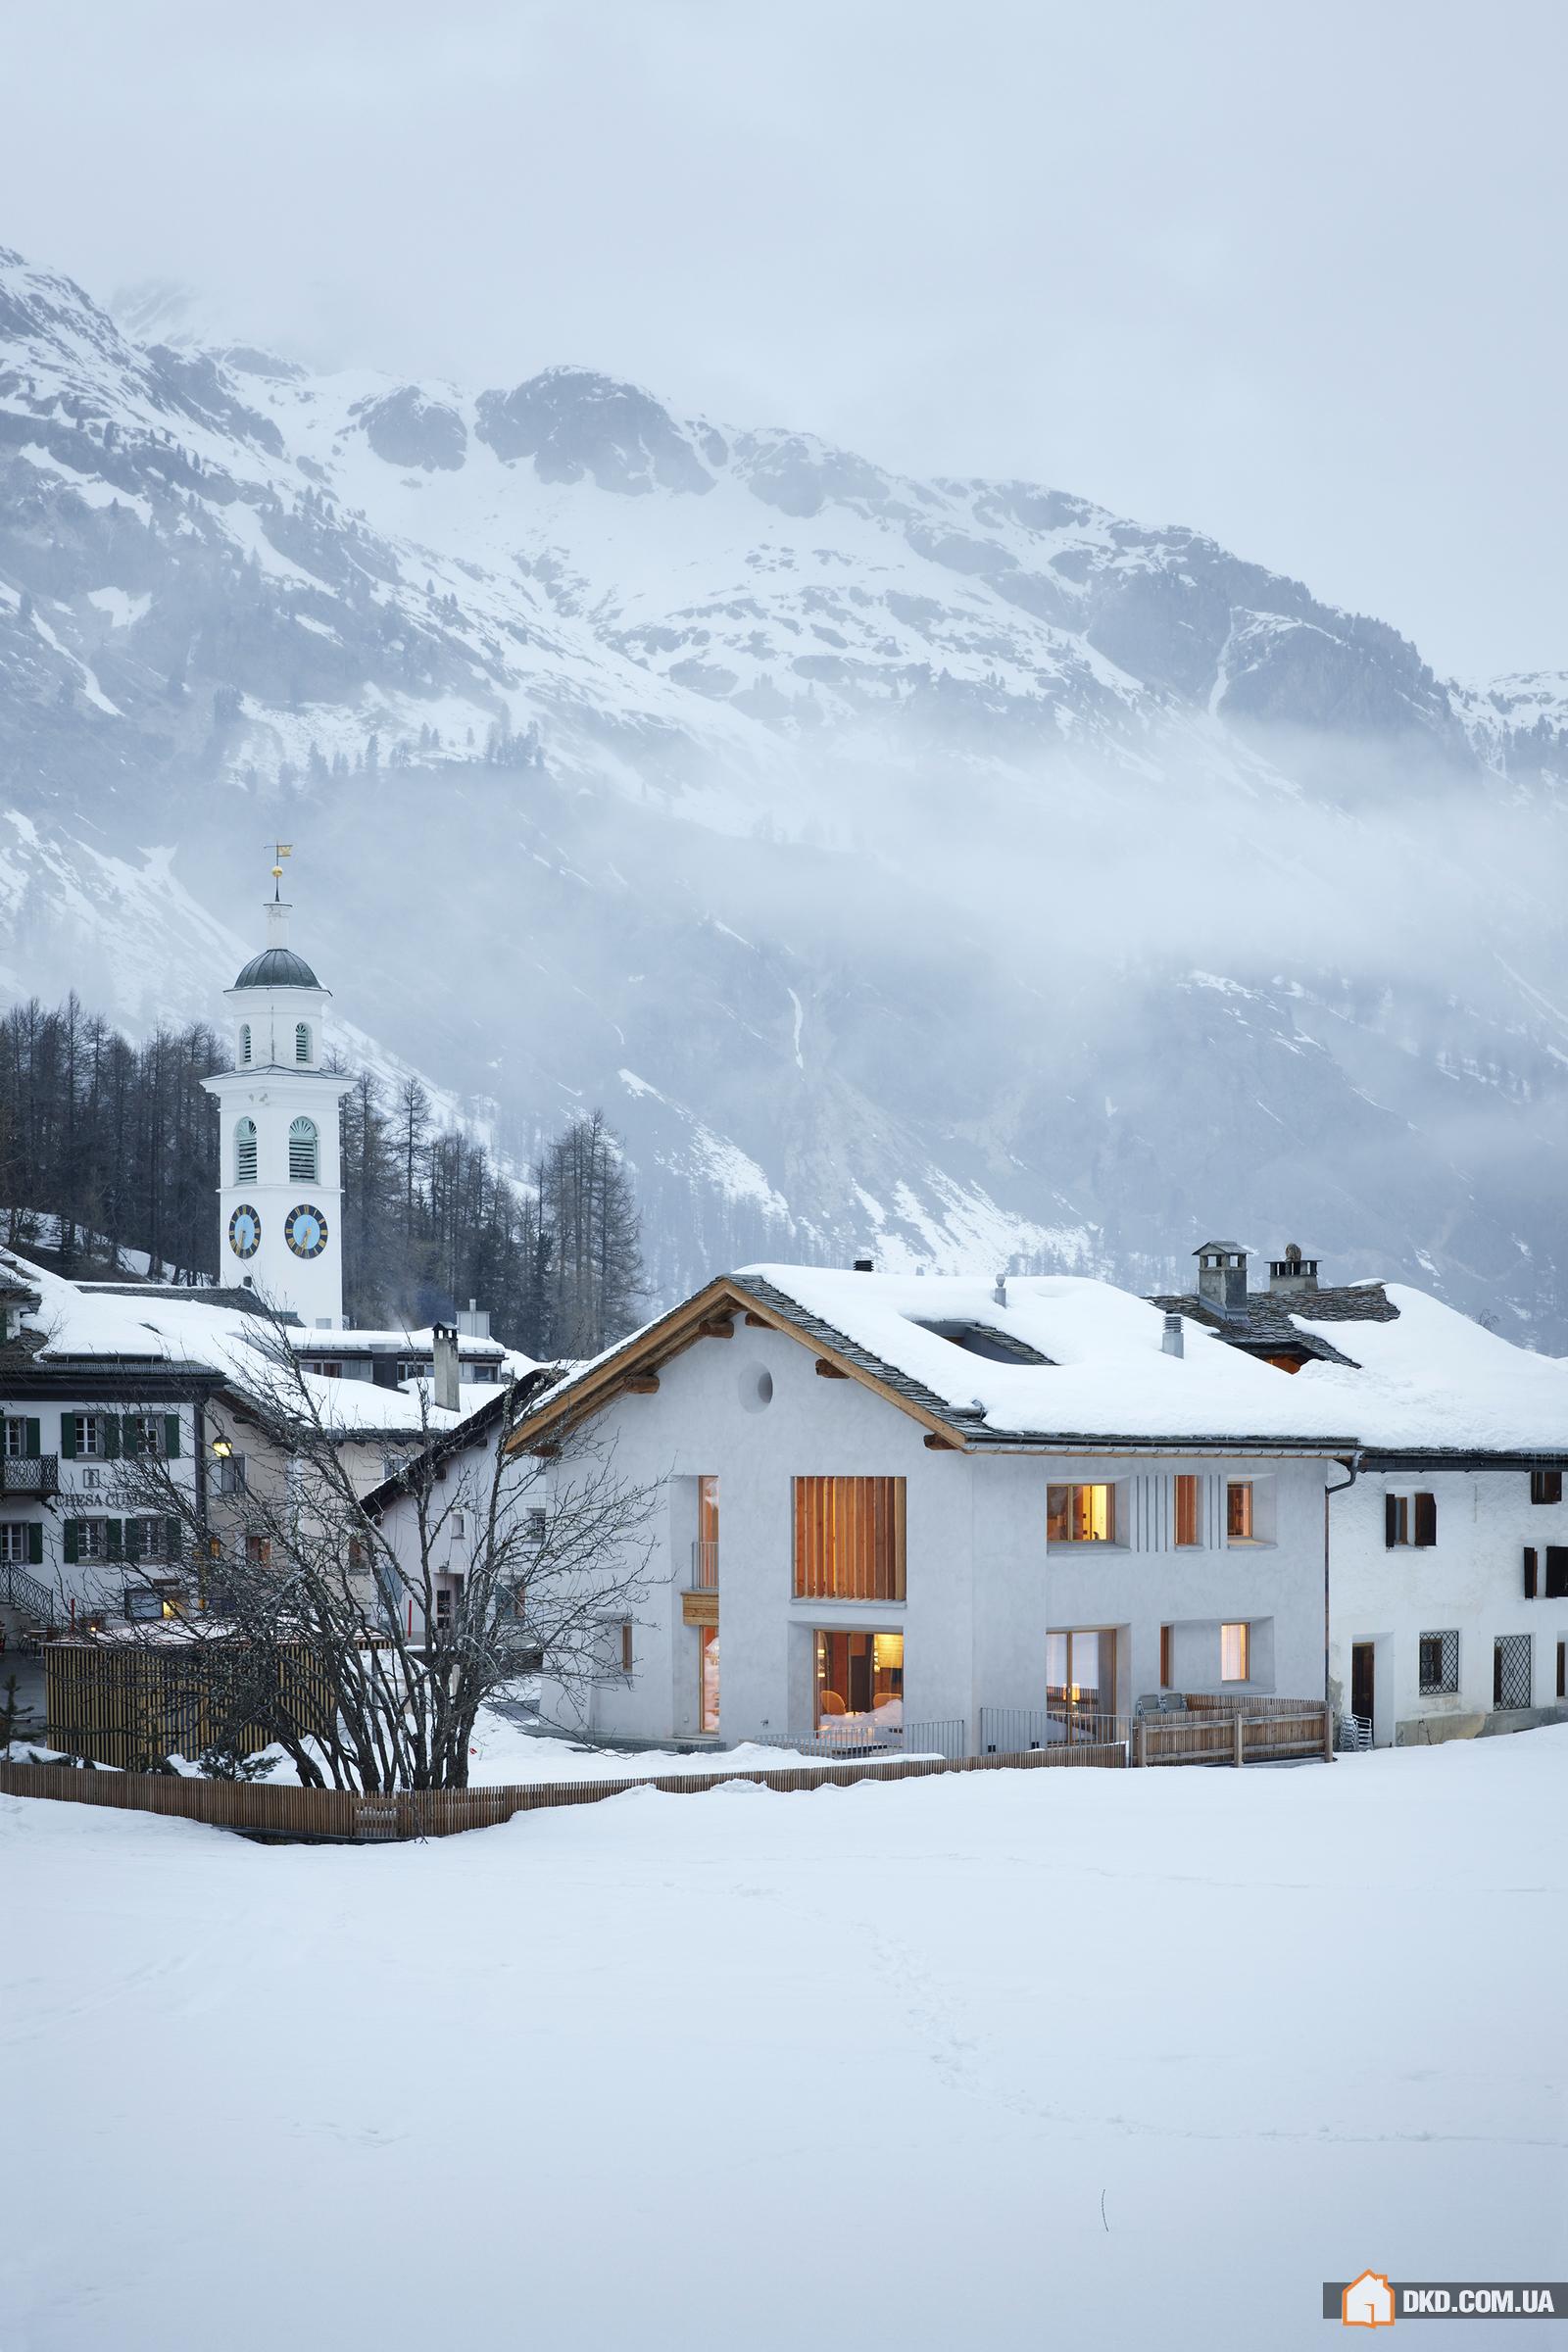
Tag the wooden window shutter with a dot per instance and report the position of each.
(115, 1539)
(1426, 1519)
(35, 1541)
(73, 1540)
(1557, 1572)
(1391, 1521)
(171, 1539)
(31, 1441)
(1530, 1572)
(1562, 1670)
(112, 1437)
(171, 1436)
(67, 1436)
(130, 1436)
(133, 1538)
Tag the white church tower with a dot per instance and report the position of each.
(280, 1180)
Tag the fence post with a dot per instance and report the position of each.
(1143, 1743)
(1240, 1736)
(1328, 1733)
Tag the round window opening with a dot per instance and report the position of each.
(756, 1387)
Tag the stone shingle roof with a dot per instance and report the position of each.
(1265, 1319)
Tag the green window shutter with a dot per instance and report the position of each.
(116, 1533)
(31, 1442)
(133, 1538)
(73, 1540)
(131, 1436)
(35, 1541)
(171, 1539)
(171, 1436)
(112, 1437)
(67, 1436)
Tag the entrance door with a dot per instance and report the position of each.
(1363, 1656)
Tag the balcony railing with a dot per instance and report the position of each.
(29, 1474)
(1014, 1730)
(851, 1736)
(705, 1568)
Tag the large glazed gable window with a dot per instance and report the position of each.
(302, 1041)
(849, 1538)
(302, 1152)
(245, 1151)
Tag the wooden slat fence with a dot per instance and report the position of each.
(335, 1813)
(1235, 1731)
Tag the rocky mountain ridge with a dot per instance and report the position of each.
(950, 864)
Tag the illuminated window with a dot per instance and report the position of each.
(1235, 1652)
(1081, 1514)
(708, 1646)
(849, 1538)
(1081, 1671)
(1186, 1521)
(302, 1152)
(1239, 1516)
(245, 1151)
(859, 1678)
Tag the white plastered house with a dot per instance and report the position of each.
(961, 1508)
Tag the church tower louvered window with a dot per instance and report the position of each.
(245, 1151)
(302, 1152)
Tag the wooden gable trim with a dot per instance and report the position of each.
(710, 1314)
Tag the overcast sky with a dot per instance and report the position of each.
(1293, 276)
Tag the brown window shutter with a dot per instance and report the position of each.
(1562, 1670)
(1426, 1519)
(1391, 1521)
(1557, 1571)
(1530, 1572)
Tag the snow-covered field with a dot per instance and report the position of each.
(998, 2060)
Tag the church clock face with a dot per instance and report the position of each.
(304, 1231)
(245, 1231)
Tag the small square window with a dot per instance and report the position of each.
(1081, 1514)
(1238, 1515)
(1545, 1486)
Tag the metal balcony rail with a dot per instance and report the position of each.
(849, 1735)
(19, 1590)
(29, 1474)
(704, 1567)
(1014, 1730)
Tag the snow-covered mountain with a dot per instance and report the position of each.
(946, 864)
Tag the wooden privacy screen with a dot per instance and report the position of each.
(849, 1538)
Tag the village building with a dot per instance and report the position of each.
(978, 1511)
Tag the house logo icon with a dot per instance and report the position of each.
(1367, 2302)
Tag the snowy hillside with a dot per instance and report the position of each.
(948, 865)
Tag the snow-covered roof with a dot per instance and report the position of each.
(1429, 1379)
(180, 1328)
(1061, 1359)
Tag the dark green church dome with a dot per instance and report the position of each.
(277, 967)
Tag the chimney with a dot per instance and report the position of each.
(1170, 1338)
(444, 1387)
(865, 1265)
(1222, 1276)
(999, 1294)
(1293, 1271)
(473, 1321)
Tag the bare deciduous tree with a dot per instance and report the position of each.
(364, 1641)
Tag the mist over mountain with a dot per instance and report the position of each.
(948, 867)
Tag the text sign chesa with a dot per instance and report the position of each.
(1376, 2301)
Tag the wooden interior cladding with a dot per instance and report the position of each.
(849, 1538)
